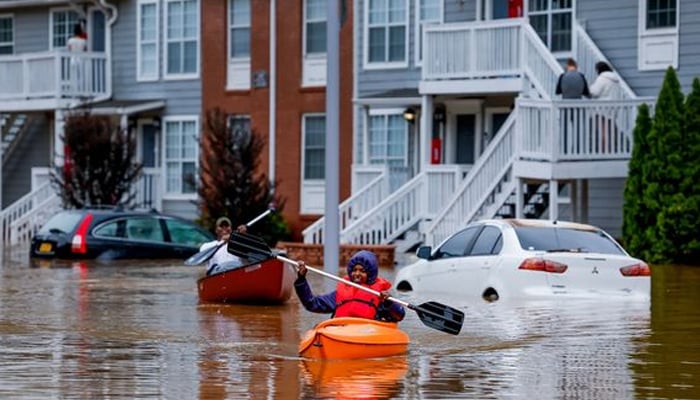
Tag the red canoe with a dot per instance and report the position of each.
(269, 282)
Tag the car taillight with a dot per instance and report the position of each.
(540, 264)
(79, 243)
(640, 269)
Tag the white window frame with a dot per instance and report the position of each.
(366, 64)
(314, 64)
(52, 12)
(238, 72)
(11, 44)
(657, 42)
(312, 191)
(178, 195)
(385, 112)
(549, 13)
(140, 77)
(166, 40)
(419, 25)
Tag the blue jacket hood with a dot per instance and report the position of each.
(368, 260)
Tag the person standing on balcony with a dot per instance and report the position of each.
(572, 83)
(77, 44)
(606, 87)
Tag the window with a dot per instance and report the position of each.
(566, 239)
(147, 56)
(181, 37)
(427, 12)
(181, 155)
(144, 229)
(458, 244)
(658, 34)
(62, 23)
(388, 137)
(552, 20)
(7, 35)
(315, 27)
(661, 14)
(239, 126)
(239, 28)
(386, 32)
(239, 22)
(314, 128)
(184, 233)
(488, 242)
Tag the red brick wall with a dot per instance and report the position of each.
(312, 254)
(292, 100)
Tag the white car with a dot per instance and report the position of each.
(515, 258)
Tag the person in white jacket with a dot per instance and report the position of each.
(606, 87)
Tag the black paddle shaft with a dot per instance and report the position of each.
(432, 314)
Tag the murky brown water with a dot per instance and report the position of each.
(135, 330)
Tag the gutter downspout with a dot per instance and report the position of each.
(273, 92)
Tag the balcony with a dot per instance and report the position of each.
(51, 80)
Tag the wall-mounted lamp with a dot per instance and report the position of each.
(409, 115)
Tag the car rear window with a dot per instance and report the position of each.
(566, 239)
(63, 222)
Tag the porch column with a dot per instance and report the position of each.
(57, 141)
(553, 199)
(426, 129)
(518, 198)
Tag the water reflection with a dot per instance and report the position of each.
(354, 379)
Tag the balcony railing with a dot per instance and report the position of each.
(55, 74)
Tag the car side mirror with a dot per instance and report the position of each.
(424, 252)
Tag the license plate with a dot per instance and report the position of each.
(45, 248)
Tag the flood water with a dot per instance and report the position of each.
(135, 329)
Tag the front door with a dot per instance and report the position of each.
(465, 139)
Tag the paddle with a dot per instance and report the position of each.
(432, 314)
(208, 253)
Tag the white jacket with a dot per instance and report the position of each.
(606, 87)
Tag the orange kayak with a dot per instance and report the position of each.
(347, 338)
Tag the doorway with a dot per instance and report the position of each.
(465, 131)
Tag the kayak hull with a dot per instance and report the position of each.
(268, 282)
(353, 338)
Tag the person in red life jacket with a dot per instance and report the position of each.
(348, 301)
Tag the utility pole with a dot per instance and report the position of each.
(331, 231)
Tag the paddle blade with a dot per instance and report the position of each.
(439, 316)
(249, 247)
(203, 255)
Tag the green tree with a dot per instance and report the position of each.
(231, 182)
(635, 215)
(679, 220)
(99, 167)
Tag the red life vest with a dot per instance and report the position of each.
(353, 302)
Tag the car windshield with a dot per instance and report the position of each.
(62, 223)
(566, 239)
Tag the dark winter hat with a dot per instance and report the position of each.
(368, 260)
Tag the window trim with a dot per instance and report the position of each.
(139, 41)
(53, 11)
(386, 112)
(229, 26)
(418, 42)
(656, 36)
(549, 12)
(11, 17)
(164, 159)
(305, 22)
(188, 75)
(366, 64)
(236, 66)
(303, 145)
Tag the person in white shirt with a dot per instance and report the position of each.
(606, 87)
(223, 231)
(77, 44)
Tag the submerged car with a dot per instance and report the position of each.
(514, 258)
(117, 234)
